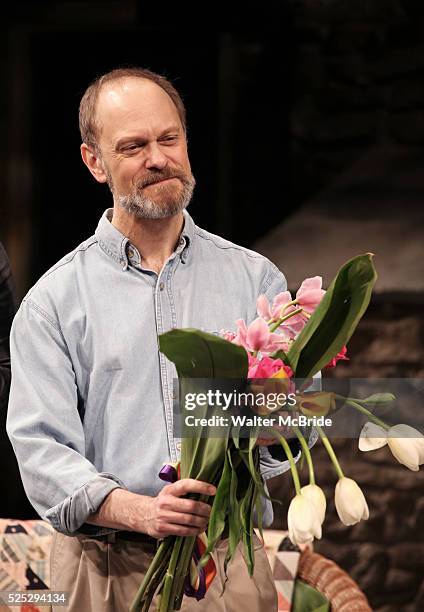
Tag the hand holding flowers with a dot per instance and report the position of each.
(172, 514)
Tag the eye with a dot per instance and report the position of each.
(169, 139)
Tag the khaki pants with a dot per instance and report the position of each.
(104, 576)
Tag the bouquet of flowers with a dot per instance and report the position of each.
(290, 339)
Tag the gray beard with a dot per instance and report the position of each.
(142, 207)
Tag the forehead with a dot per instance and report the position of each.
(134, 105)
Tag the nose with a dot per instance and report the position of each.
(155, 158)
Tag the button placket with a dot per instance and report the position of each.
(162, 365)
(168, 404)
(171, 371)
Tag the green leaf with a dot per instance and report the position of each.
(202, 457)
(234, 524)
(259, 514)
(219, 511)
(197, 354)
(249, 456)
(335, 318)
(307, 599)
(246, 517)
(378, 399)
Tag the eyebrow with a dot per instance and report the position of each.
(139, 138)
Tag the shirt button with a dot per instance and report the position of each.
(181, 241)
(130, 253)
(161, 286)
(178, 446)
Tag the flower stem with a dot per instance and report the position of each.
(330, 452)
(288, 304)
(165, 600)
(182, 568)
(352, 402)
(277, 324)
(155, 564)
(307, 452)
(292, 463)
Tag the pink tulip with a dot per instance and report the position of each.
(295, 324)
(272, 313)
(257, 337)
(310, 293)
(279, 309)
(266, 367)
(308, 297)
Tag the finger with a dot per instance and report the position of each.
(179, 530)
(190, 485)
(188, 520)
(188, 506)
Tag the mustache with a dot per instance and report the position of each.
(159, 175)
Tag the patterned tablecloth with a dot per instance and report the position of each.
(24, 558)
(284, 565)
(25, 561)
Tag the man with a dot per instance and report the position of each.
(90, 414)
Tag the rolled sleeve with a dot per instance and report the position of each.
(69, 516)
(45, 427)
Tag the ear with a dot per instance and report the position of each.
(93, 162)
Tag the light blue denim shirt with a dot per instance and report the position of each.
(91, 398)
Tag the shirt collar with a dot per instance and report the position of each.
(116, 245)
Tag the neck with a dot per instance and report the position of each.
(155, 239)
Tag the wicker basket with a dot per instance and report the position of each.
(327, 577)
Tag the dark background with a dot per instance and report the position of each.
(232, 74)
(284, 100)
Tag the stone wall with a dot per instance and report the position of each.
(385, 554)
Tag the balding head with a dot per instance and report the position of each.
(90, 127)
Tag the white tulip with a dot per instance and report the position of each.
(316, 495)
(420, 444)
(350, 502)
(372, 436)
(405, 442)
(303, 520)
(407, 445)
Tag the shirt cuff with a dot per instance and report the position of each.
(271, 467)
(70, 515)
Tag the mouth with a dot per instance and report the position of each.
(172, 178)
